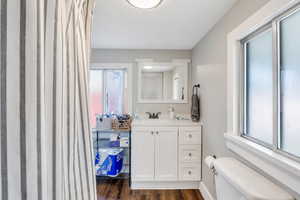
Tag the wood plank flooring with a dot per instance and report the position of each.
(119, 190)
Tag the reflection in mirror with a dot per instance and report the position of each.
(155, 79)
(163, 83)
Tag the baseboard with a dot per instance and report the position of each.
(205, 193)
(138, 185)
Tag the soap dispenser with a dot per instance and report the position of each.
(171, 112)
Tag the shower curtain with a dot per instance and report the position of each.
(45, 140)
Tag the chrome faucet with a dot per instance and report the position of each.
(153, 115)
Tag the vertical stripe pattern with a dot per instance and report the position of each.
(3, 40)
(40, 8)
(23, 100)
(45, 151)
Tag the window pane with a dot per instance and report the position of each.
(96, 95)
(290, 84)
(125, 94)
(114, 91)
(259, 95)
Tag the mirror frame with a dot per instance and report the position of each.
(176, 62)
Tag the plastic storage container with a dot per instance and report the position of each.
(109, 162)
(103, 122)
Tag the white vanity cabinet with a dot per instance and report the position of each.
(154, 154)
(166, 157)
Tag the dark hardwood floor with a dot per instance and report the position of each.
(119, 190)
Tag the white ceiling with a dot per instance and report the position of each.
(175, 24)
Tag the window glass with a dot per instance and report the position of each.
(258, 91)
(114, 91)
(290, 84)
(96, 94)
(125, 94)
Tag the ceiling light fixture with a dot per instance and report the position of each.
(148, 67)
(145, 4)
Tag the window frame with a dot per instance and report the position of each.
(274, 26)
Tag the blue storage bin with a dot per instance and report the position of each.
(115, 143)
(109, 162)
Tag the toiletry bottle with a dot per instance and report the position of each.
(171, 112)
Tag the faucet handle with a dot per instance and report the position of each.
(149, 115)
(153, 115)
(157, 115)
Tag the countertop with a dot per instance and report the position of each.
(164, 123)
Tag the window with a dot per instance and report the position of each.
(271, 85)
(290, 83)
(258, 87)
(108, 92)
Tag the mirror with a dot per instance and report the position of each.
(163, 82)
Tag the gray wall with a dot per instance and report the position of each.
(129, 56)
(209, 58)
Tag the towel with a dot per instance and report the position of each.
(195, 109)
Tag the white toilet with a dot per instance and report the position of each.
(236, 181)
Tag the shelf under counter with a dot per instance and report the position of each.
(101, 140)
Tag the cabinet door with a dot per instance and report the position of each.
(166, 154)
(142, 163)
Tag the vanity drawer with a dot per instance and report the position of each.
(190, 172)
(190, 153)
(190, 136)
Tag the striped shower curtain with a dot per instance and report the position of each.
(45, 144)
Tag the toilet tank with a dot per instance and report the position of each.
(236, 181)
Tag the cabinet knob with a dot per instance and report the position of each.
(157, 132)
(190, 172)
(190, 154)
(152, 132)
(190, 135)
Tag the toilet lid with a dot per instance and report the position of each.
(251, 184)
